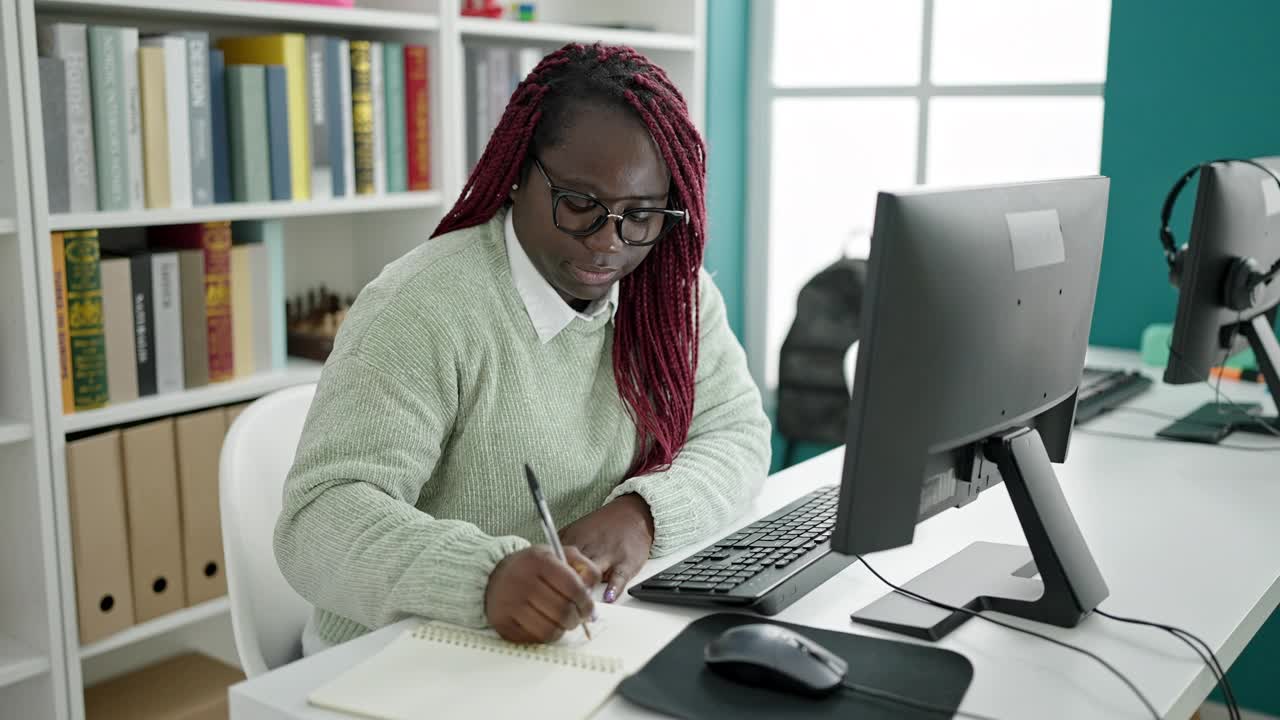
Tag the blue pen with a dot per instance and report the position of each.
(548, 526)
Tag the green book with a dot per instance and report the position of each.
(84, 319)
(110, 116)
(247, 126)
(393, 85)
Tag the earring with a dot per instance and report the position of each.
(515, 187)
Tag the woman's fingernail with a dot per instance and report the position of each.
(610, 594)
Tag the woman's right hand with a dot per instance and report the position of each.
(533, 597)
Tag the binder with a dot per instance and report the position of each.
(199, 443)
(155, 526)
(233, 412)
(99, 536)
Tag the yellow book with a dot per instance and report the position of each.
(289, 50)
(60, 311)
(155, 126)
(242, 323)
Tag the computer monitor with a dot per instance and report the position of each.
(1237, 216)
(975, 326)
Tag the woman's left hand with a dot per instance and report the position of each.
(617, 538)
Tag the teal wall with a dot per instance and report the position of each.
(728, 29)
(1187, 81)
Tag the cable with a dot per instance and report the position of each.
(1211, 660)
(916, 596)
(909, 702)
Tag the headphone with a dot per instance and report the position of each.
(1242, 287)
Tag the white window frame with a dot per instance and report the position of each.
(762, 93)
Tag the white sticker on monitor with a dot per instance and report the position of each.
(1270, 195)
(1036, 237)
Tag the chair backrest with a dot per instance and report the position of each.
(267, 616)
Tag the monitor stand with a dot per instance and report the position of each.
(1212, 422)
(1054, 581)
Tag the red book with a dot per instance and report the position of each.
(214, 238)
(417, 124)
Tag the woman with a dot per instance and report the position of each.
(558, 318)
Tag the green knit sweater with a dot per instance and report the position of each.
(408, 485)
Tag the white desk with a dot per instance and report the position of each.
(1184, 534)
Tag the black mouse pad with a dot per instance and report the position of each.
(678, 683)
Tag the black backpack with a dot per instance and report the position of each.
(813, 399)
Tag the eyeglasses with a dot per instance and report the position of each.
(582, 215)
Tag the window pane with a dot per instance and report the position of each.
(1008, 139)
(841, 42)
(830, 156)
(979, 42)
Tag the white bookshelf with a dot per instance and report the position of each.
(341, 242)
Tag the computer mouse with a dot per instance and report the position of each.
(770, 656)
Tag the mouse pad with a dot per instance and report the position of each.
(678, 683)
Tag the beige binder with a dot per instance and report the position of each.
(186, 687)
(199, 444)
(233, 412)
(155, 525)
(99, 536)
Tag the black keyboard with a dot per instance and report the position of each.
(1101, 390)
(764, 566)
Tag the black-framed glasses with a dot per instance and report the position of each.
(581, 215)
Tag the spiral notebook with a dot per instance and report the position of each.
(436, 670)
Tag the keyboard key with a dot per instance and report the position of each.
(748, 540)
(798, 542)
(771, 543)
(725, 586)
(697, 585)
(782, 563)
(665, 576)
(656, 584)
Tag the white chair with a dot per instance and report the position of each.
(267, 616)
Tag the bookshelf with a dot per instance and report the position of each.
(343, 242)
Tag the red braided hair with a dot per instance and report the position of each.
(655, 347)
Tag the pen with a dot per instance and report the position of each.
(548, 526)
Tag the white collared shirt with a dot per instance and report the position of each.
(548, 311)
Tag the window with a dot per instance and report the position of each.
(849, 97)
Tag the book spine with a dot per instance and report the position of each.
(216, 242)
(194, 327)
(53, 99)
(133, 117)
(393, 83)
(109, 118)
(177, 112)
(60, 314)
(242, 346)
(416, 120)
(480, 125)
(348, 123)
(263, 313)
(70, 43)
(247, 125)
(278, 133)
(362, 116)
(166, 296)
(155, 128)
(269, 292)
(221, 142)
(334, 115)
(117, 328)
(321, 167)
(377, 93)
(84, 319)
(140, 280)
(295, 64)
(200, 117)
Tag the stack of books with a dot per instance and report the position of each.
(182, 119)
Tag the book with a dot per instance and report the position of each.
(393, 85)
(417, 122)
(110, 119)
(289, 50)
(213, 239)
(166, 303)
(155, 127)
(333, 52)
(477, 100)
(378, 97)
(247, 128)
(117, 329)
(133, 118)
(69, 42)
(177, 110)
(221, 141)
(194, 325)
(348, 122)
(362, 116)
(278, 133)
(86, 341)
(242, 307)
(53, 111)
(141, 282)
(60, 316)
(321, 168)
(270, 335)
(451, 670)
(200, 117)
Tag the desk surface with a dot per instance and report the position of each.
(1184, 534)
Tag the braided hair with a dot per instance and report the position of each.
(655, 347)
